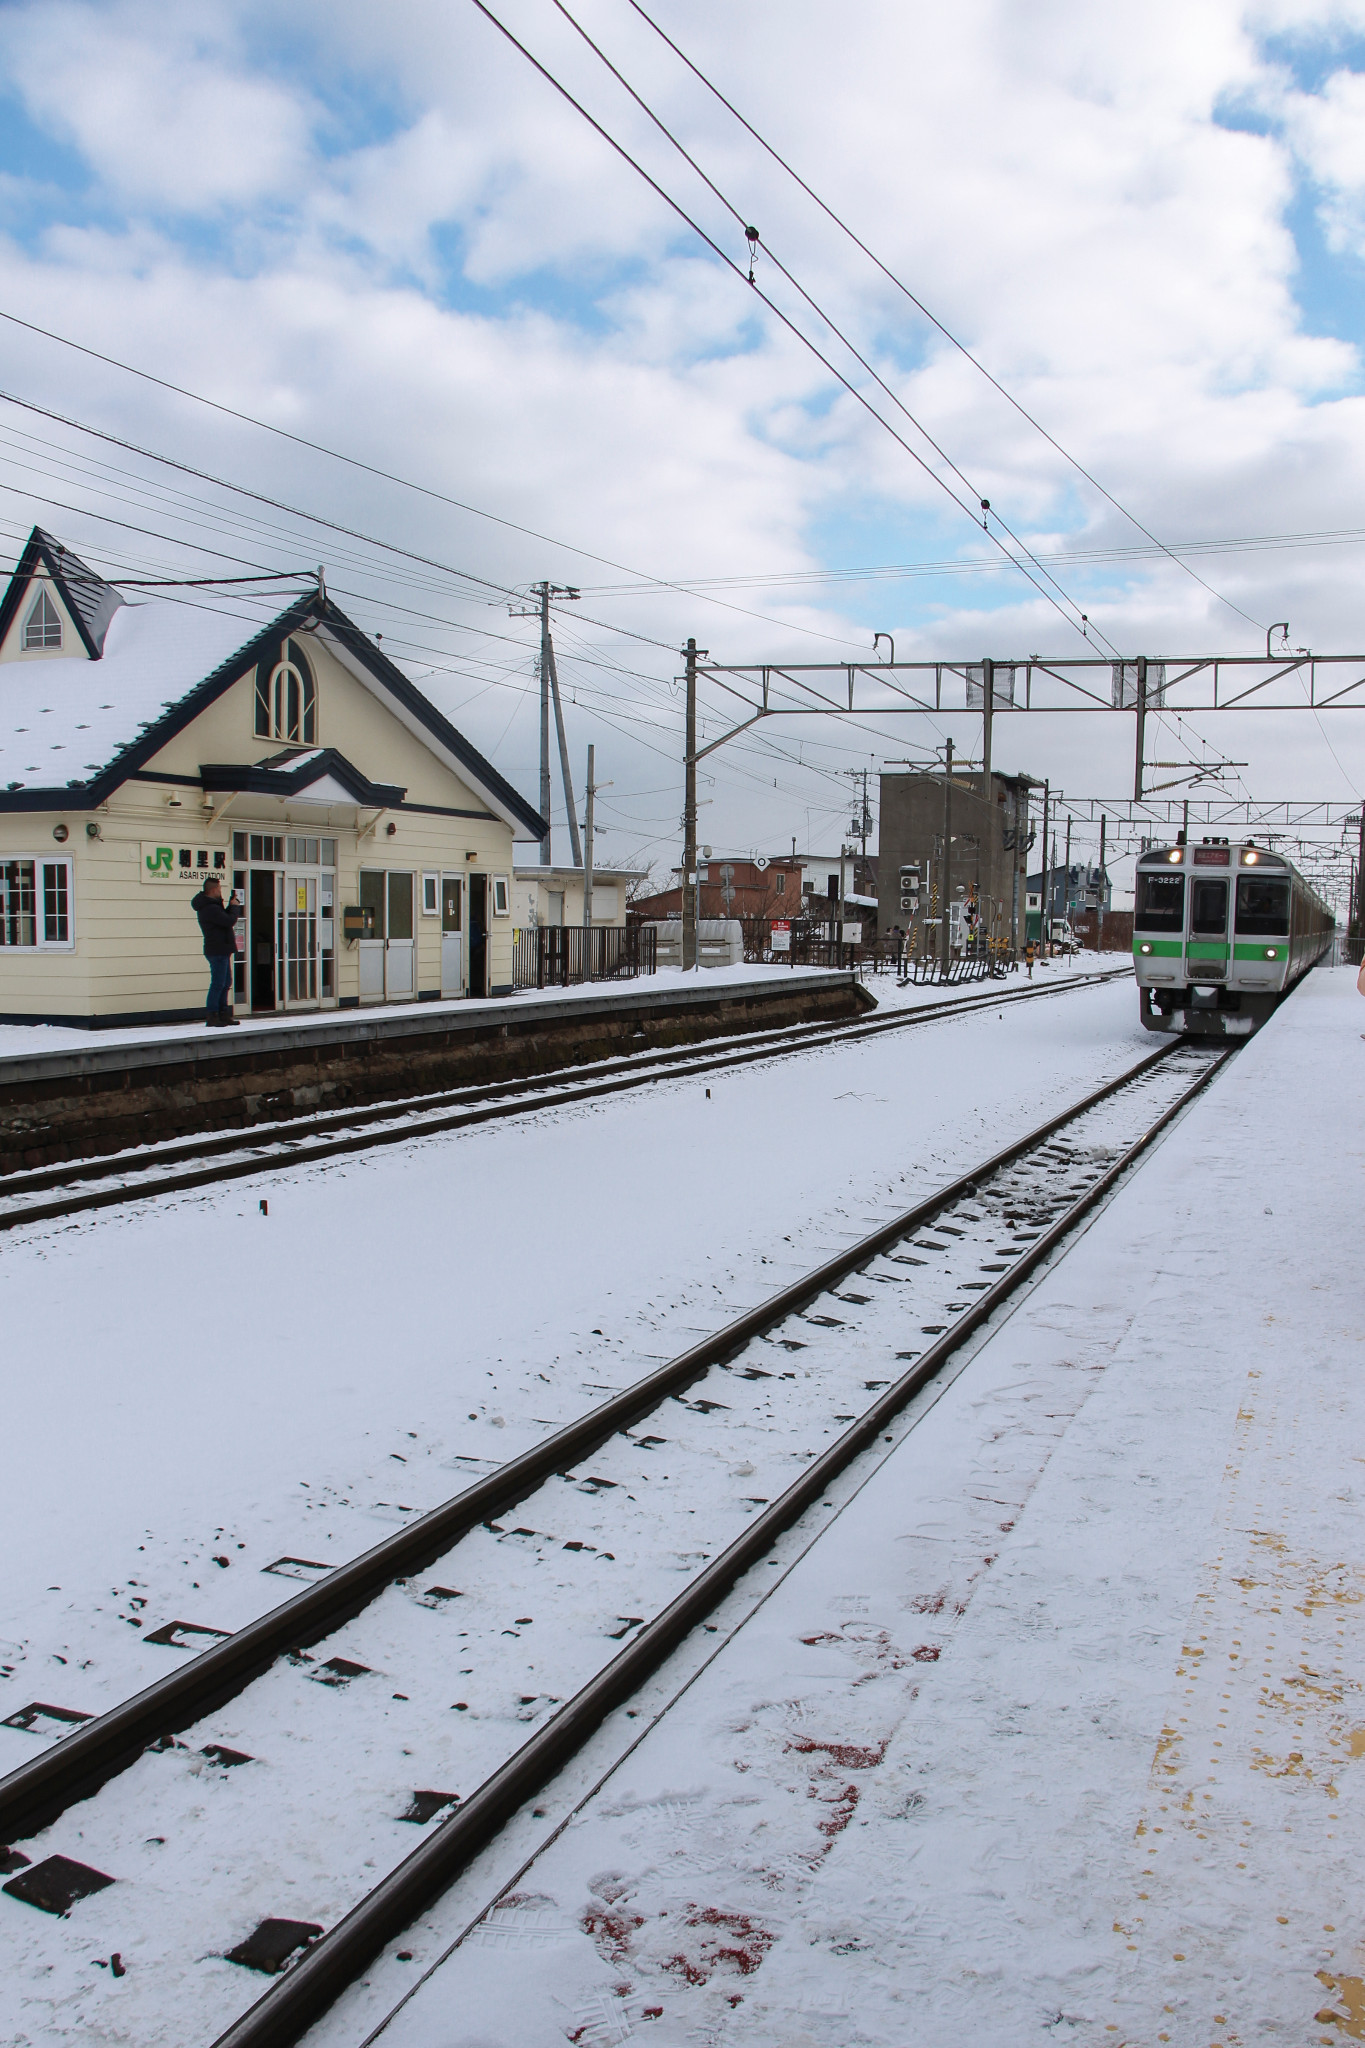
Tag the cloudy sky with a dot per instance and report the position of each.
(383, 232)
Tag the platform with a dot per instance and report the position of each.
(1059, 1731)
(129, 1087)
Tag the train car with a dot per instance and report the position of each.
(1221, 931)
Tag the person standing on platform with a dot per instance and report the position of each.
(217, 921)
(1028, 958)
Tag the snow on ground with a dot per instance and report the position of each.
(28, 1039)
(191, 1379)
(1055, 1733)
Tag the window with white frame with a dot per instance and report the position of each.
(502, 902)
(286, 698)
(36, 905)
(431, 901)
(43, 626)
(781, 884)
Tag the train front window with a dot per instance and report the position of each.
(1160, 903)
(1263, 906)
(1209, 909)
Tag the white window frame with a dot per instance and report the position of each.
(431, 895)
(43, 646)
(502, 896)
(41, 943)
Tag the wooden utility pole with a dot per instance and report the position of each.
(1141, 727)
(1066, 886)
(549, 686)
(1099, 908)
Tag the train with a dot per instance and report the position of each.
(1221, 931)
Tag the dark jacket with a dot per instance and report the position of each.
(215, 922)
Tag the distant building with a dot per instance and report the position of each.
(988, 832)
(730, 887)
(554, 896)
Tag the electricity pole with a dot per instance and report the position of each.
(945, 936)
(1042, 896)
(1066, 890)
(1099, 911)
(549, 686)
(689, 873)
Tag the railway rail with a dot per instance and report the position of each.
(183, 1164)
(757, 1422)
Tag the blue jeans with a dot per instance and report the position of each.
(220, 984)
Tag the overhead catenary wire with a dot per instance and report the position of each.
(802, 338)
(933, 318)
(756, 241)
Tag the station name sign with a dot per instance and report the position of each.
(165, 866)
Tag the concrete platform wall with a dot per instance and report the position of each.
(65, 1105)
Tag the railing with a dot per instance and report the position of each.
(558, 956)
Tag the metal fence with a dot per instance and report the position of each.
(557, 956)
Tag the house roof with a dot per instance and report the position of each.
(73, 727)
(90, 601)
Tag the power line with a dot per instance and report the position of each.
(354, 462)
(804, 339)
(933, 319)
(756, 241)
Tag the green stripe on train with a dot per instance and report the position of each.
(1206, 949)
(1158, 949)
(1262, 951)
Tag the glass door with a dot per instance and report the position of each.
(452, 936)
(300, 940)
(1206, 949)
(372, 898)
(400, 963)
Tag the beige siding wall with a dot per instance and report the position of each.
(138, 949)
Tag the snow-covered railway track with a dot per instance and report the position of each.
(180, 1165)
(327, 1730)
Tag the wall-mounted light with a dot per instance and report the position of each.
(60, 834)
(390, 829)
(471, 856)
(92, 829)
(175, 801)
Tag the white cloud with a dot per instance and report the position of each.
(1055, 181)
(158, 101)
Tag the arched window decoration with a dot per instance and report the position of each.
(43, 627)
(286, 698)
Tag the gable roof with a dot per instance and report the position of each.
(90, 601)
(73, 728)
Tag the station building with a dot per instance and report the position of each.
(147, 742)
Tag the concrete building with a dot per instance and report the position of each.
(988, 832)
(146, 744)
(554, 896)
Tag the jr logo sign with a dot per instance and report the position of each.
(169, 865)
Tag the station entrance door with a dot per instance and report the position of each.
(452, 935)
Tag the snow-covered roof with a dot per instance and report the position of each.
(88, 722)
(66, 718)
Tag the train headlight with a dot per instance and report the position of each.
(1144, 948)
(1250, 857)
(1272, 952)
(1174, 855)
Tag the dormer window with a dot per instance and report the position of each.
(286, 698)
(43, 627)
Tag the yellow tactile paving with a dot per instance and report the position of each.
(1242, 1856)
